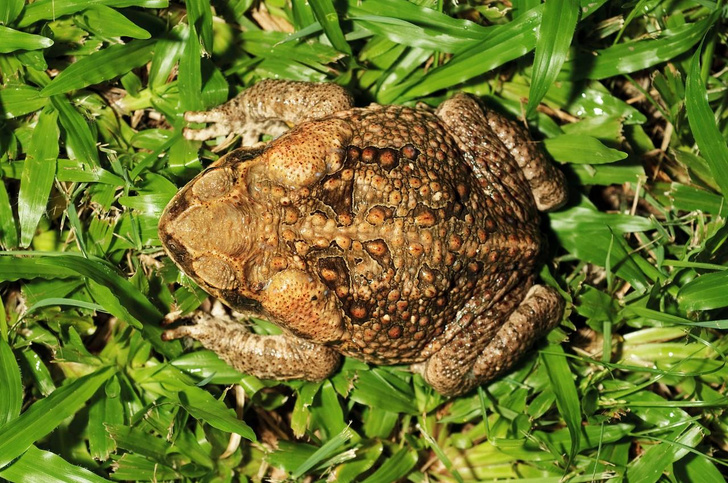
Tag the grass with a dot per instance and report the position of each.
(629, 98)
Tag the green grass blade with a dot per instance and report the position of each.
(328, 18)
(39, 466)
(703, 125)
(106, 410)
(39, 372)
(78, 172)
(8, 226)
(189, 76)
(637, 55)
(406, 23)
(324, 452)
(706, 292)
(698, 468)
(654, 315)
(581, 149)
(433, 21)
(12, 40)
(200, 16)
(130, 304)
(38, 171)
(11, 396)
(101, 66)
(46, 414)
(394, 467)
(552, 45)
(567, 399)
(59, 301)
(507, 42)
(79, 139)
(108, 22)
(53, 9)
(435, 447)
(657, 459)
(16, 101)
(9, 10)
(202, 406)
(138, 441)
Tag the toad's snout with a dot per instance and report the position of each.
(216, 227)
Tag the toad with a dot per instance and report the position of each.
(391, 234)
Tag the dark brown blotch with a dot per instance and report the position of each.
(336, 192)
(410, 152)
(388, 158)
(370, 155)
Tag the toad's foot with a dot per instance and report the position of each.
(540, 311)
(226, 120)
(281, 357)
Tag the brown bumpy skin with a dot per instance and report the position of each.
(388, 233)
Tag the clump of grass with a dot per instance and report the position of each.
(628, 98)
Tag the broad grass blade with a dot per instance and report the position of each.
(707, 135)
(558, 23)
(46, 414)
(567, 399)
(38, 172)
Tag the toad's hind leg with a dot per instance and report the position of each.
(269, 107)
(281, 357)
(469, 360)
(481, 131)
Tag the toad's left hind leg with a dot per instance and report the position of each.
(484, 350)
(483, 131)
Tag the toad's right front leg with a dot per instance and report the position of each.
(270, 107)
(281, 357)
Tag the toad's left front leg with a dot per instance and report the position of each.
(451, 371)
(281, 357)
(269, 107)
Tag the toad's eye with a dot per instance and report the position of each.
(215, 183)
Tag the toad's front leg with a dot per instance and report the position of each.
(281, 357)
(271, 107)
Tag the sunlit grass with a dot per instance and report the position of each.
(628, 98)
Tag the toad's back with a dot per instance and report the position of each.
(413, 235)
